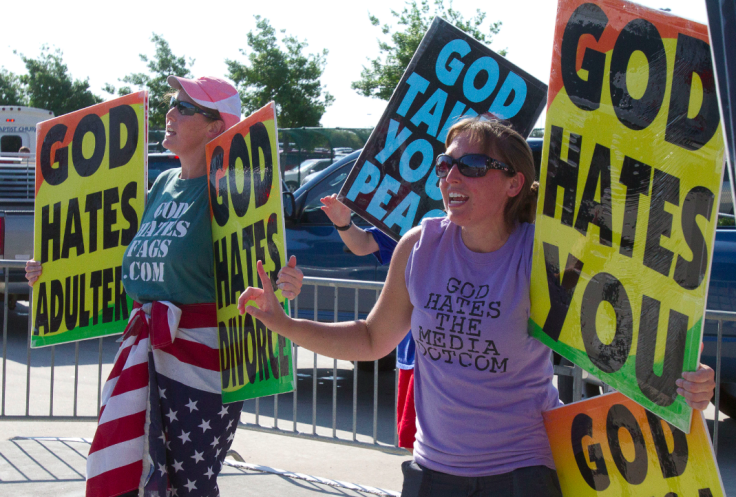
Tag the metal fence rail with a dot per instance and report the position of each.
(90, 359)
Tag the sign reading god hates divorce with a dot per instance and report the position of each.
(452, 75)
(611, 446)
(90, 193)
(631, 173)
(248, 226)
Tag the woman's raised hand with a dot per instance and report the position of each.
(290, 279)
(269, 310)
(338, 213)
(33, 271)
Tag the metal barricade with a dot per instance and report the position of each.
(328, 430)
(32, 411)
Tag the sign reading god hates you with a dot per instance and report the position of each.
(452, 75)
(90, 193)
(611, 446)
(631, 173)
(248, 226)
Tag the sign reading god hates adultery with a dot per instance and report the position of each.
(631, 173)
(610, 446)
(248, 226)
(452, 75)
(90, 193)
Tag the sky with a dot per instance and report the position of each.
(101, 41)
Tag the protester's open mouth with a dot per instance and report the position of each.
(457, 199)
(170, 132)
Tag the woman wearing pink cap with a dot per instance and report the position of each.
(163, 428)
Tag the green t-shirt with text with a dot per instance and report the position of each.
(171, 256)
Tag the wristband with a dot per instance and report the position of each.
(343, 228)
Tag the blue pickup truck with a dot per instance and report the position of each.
(320, 252)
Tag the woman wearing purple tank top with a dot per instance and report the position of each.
(461, 284)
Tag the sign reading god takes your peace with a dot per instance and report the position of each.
(452, 75)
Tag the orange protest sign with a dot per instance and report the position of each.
(90, 194)
(611, 446)
(248, 226)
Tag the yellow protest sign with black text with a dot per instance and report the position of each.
(611, 446)
(90, 193)
(631, 175)
(248, 226)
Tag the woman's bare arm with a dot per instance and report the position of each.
(387, 323)
(359, 241)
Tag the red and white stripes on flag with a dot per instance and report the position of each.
(183, 345)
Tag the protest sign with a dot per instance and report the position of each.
(611, 446)
(248, 226)
(452, 75)
(631, 174)
(90, 193)
(721, 18)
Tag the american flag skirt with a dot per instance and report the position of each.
(163, 429)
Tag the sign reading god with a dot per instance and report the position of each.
(248, 226)
(631, 173)
(451, 76)
(90, 193)
(610, 446)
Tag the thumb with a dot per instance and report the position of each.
(292, 261)
(255, 312)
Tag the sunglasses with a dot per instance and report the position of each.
(187, 109)
(471, 165)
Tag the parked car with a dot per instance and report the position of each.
(722, 297)
(294, 177)
(160, 162)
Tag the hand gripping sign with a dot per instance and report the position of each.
(631, 173)
(611, 446)
(90, 192)
(452, 75)
(248, 226)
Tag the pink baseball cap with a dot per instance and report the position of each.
(211, 93)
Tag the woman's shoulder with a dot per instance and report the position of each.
(163, 179)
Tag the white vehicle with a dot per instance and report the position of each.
(17, 190)
(18, 127)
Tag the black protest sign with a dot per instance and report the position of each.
(451, 76)
(721, 17)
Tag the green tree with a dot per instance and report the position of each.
(383, 73)
(49, 85)
(286, 76)
(12, 91)
(161, 65)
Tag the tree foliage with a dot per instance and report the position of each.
(383, 73)
(48, 84)
(285, 75)
(161, 65)
(12, 91)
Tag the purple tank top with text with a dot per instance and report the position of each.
(481, 382)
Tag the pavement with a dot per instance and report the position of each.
(31, 465)
(48, 457)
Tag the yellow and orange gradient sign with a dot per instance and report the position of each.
(90, 195)
(631, 175)
(248, 226)
(611, 446)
